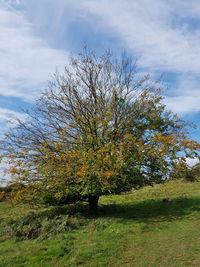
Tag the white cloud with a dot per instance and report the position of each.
(191, 162)
(184, 103)
(186, 8)
(10, 115)
(26, 59)
(163, 34)
(146, 26)
(4, 175)
(186, 98)
(7, 119)
(160, 31)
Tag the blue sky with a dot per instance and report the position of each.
(37, 36)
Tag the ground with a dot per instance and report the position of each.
(135, 229)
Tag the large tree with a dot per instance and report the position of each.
(100, 128)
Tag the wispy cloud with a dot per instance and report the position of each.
(164, 33)
(149, 28)
(7, 115)
(186, 97)
(26, 59)
(191, 162)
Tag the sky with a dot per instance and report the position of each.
(37, 37)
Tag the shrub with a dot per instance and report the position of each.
(44, 224)
(190, 176)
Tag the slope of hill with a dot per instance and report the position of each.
(135, 229)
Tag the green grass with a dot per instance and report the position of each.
(136, 229)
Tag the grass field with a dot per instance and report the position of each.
(135, 229)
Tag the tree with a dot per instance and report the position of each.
(181, 170)
(196, 170)
(100, 128)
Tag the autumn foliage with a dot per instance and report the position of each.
(100, 128)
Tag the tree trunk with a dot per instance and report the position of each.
(93, 204)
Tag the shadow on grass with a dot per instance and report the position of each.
(151, 210)
(67, 218)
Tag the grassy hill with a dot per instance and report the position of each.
(135, 229)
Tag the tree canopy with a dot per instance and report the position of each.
(99, 128)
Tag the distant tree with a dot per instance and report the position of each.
(196, 170)
(181, 170)
(100, 128)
